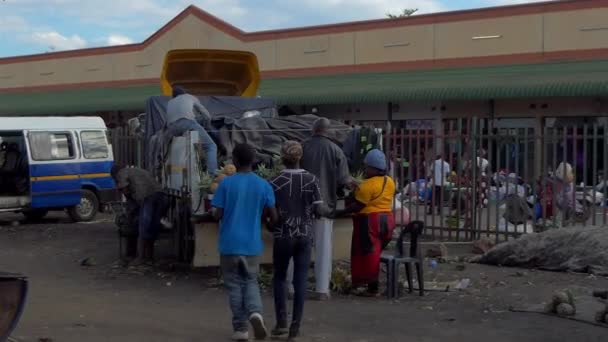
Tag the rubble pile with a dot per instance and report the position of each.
(583, 250)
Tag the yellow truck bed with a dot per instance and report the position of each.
(211, 72)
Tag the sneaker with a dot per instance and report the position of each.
(318, 296)
(166, 223)
(259, 329)
(293, 334)
(279, 331)
(240, 336)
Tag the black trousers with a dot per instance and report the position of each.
(284, 250)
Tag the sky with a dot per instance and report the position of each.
(39, 26)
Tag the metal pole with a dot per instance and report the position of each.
(564, 175)
(594, 176)
(459, 171)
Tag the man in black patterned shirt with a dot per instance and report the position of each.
(298, 200)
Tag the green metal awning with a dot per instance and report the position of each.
(589, 78)
(79, 101)
(538, 80)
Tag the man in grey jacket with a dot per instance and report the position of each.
(326, 160)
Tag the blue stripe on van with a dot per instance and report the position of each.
(61, 169)
(96, 167)
(57, 193)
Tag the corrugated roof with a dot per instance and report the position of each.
(589, 78)
(546, 80)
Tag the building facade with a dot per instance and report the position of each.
(522, 68)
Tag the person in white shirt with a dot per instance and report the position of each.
(181, 118)
(440, 171)
(482, 163)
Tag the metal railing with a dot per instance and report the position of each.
(501, 182)
(521, 190)
(128, 149)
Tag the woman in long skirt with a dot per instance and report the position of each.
(373, 222)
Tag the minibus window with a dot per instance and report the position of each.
(94, 144)
(51, 145)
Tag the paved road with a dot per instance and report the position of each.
(101, 303)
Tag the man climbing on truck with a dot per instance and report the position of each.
(181, 118)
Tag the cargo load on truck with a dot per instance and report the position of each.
(226, 83)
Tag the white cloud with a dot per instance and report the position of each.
(369, 9)
(54, 41)
(117, 39)
(16, 27)
(13, 23)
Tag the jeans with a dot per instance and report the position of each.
(284, 251)
(150, 214)
(182, 126)
(438, 198)
(241, 280)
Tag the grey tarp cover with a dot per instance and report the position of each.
(266, 132)
(567, 249)
(267, 135)
(218, 106)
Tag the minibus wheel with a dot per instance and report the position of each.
(87, 209)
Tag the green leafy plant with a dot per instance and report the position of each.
(452, 222)
(341, 281)
(359, 176)
(271, 172)
(265, 278)
(406, 12)
(205, 181)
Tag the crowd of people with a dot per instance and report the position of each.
(298, 206)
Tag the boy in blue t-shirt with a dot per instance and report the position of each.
(240, 202)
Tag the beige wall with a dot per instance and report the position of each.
(502, 36)
(586, 29)
(410, 43)
(582, 29)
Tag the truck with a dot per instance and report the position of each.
(226, 83)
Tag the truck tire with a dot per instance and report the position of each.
(87, 209)
(35, 214)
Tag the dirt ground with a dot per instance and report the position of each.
(104, 302)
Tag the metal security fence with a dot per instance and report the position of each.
(502, 181)
(471, 179)
(128, 149)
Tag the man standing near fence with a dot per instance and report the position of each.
(324, 159)
(440, 171)
(181, 118)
